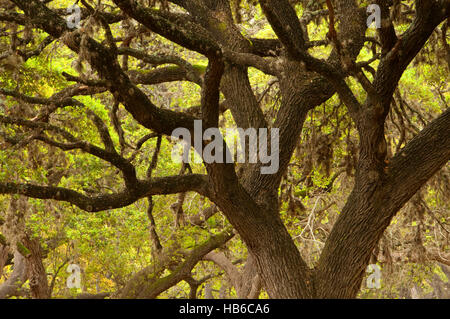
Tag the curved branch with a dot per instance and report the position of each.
(420, 159)
(165, 74)
(355, 235)
(285, 23)
(157, 186)
(175, 27)
(223, 262)
(102, 59)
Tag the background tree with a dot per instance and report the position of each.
(362, 113)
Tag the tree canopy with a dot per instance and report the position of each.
(92, 93)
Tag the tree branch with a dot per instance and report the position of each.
(157, 186)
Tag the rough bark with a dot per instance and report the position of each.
(250, 202)
(12, 286)
(36, 272)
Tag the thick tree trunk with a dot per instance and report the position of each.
(283, 271)
(12, 285)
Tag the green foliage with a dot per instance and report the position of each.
(111, 246)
